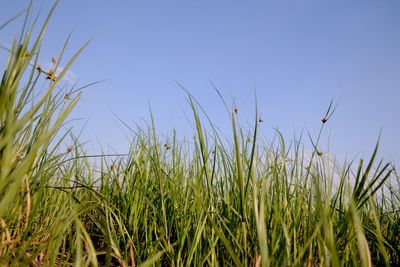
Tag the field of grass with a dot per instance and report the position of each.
(210, 201)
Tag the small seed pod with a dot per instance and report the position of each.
(39, 68)
(26, 54)
(51, 75)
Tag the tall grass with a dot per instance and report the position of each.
(169, 202)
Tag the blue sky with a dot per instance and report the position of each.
(296, 55)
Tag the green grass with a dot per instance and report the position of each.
(212, 201)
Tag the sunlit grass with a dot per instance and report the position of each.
(212, 201)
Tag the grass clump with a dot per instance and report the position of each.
(169, 202)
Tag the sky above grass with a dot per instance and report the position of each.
(295, 55)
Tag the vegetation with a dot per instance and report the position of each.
(168, 202)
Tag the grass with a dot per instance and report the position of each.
(168, 202)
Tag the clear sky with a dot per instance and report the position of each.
(297, 56)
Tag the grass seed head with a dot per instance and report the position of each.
(26, 54)
(51, 76)
(39, 68)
